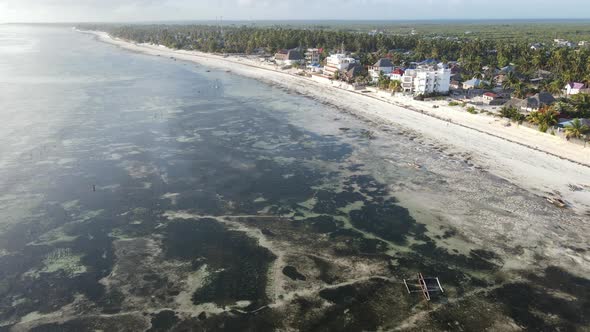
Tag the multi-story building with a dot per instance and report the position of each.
(288, 57)
(382, 66)
(397, 74)
(337, 63)
(426, 80)
(312, 56)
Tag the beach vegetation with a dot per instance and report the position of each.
(453, 103)
(544, 118)
(511, 113)
(336, 76)
(472, 110)
(576, 129)
(520, 90)
(383, 81)
(395, 85)
(581, 102)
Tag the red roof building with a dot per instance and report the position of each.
(398, 71)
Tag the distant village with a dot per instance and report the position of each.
(432, 79)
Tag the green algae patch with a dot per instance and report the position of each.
(61, 260)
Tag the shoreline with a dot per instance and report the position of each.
(540, 163)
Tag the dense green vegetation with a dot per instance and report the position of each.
(576, 129)
(528, 30)
(576, 107)
(565, 64)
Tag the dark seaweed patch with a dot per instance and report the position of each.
(240, 265)
(477, 259)
(328, 273)
(559, 279)
(163, 321)
(330, 202)
(530, 306)
(344, 294)
(387, 220)
(484, 254)
(291, 272)
(354, 243)
(362, 306)
(449, 233)
(368, 186)
(267, 232)
(321, 224)
(262, 321)
(94, 323)
(51, 291)
(454, 317)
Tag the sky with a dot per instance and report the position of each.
(169, 10)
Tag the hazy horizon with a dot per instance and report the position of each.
(70, 11)
(314, 21)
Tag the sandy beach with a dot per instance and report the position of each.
(540, 163)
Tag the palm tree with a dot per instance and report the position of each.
(575, 129)
(582, 101)
(556, 87)
(520, 90)
(510, 80)
(506, 84)
(545, 85)
(395, 85)
(562, 107)
(538, 60)
(545, 118)
(383, 81)
(336, 76)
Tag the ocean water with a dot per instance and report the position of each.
(141, 192)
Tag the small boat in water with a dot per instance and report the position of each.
(425, 285)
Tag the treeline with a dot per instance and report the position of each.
(566, 64)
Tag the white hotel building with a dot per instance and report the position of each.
(312, 56)
(337, 63)
(426, 80)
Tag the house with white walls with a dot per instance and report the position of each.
(382, 66)
(427, 80)
(337, 63)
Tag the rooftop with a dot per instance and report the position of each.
(383, 63)
(576, 85)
